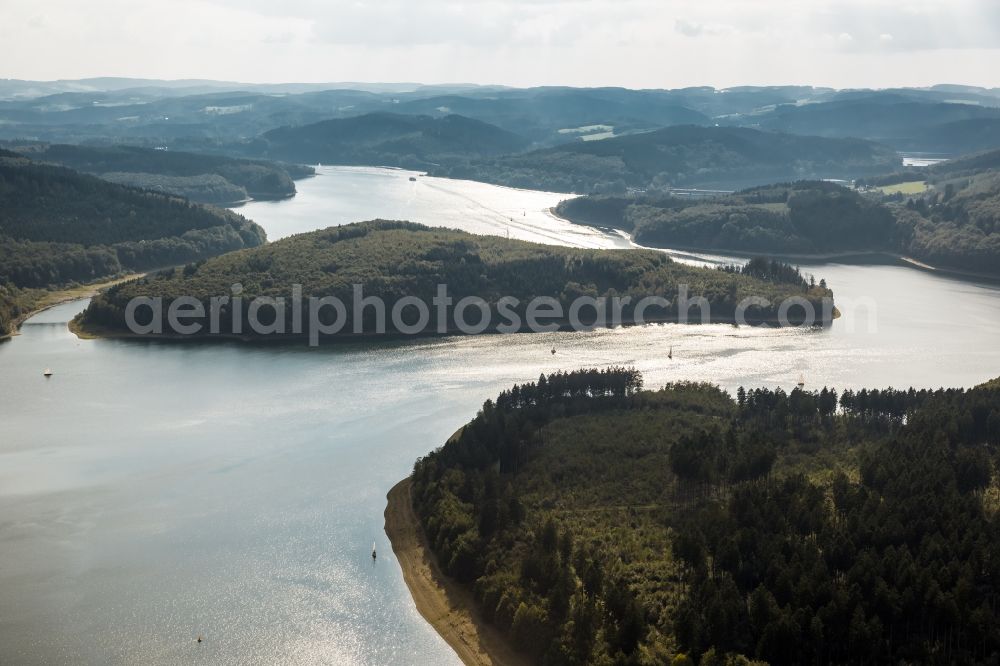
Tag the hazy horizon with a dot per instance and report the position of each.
(485, 84)
(517, 43)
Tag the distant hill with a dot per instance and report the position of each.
(895, 119)
(555, 115)
(389, 139)
(960, 137)
(195, 114)
(195, 121)
(968, 165)
(204, 178)
(691, 156)
(58, 226)
(870, 117)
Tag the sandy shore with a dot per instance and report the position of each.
(55, 297)
(444, 604)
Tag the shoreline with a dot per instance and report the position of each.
(948, 272)
(851, 257)
(444, 604)
(51, 299)
(93, 332)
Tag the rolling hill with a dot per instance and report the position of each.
(389, 139)
(691, 156)
(58, 226)
(900, 120)
(552, 115)
(204, 178)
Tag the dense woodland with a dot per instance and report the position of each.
(680, 156)
(397, 259)
(389, 139)
(954, 224)
(804, 216)
(773, 270)
(459, 147)
(15, 303)
(58, 227)
(206, 188)
(199, 177)
(895, 118)
(598, 523)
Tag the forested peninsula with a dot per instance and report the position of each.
(211, 179)
(950, 220)
(59, 228)
(803, 217)
(394, 261)
(593, 522)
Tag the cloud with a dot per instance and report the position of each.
(519, 42)
(910, 25)
(687, 28)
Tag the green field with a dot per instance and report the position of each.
(909, 187)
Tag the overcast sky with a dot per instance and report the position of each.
(632, 43)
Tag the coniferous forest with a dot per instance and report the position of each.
(599, 523)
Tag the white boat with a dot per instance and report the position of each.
(48, 372)
(373, 550)
(802, 381)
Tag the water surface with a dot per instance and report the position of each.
(152, 492)
(341, 195)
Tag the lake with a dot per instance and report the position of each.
(154, 492)
(341, 195)
(923, 159)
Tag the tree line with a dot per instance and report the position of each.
(597, 522)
